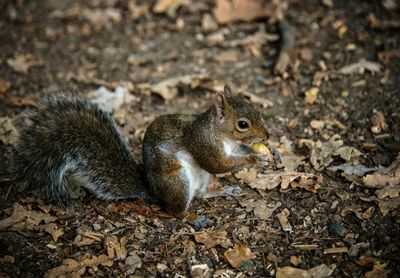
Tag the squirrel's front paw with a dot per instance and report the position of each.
(261, 160)
(276, 154)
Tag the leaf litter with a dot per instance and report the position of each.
(144, 241)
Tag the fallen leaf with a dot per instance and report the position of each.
(115, 248)
(213, 238)
(291, 162)
(311, 95)
(167, 88)
(227, 11)
(379, 180)
(208, 23)
(239, 254)
(386, 56)
(358, 170)
(377, 272)
(323, 153)
(101, 18)
(258, 100)
(296, 260)
(247, 175)
(378, 123)
(69, 267)
(21, 63)
(53, 230)
(365, 260)
(162, 6)
(228, 56)
(8, 133)
(200, 270)
(24, 101)
(111, 101)
(320, 271)
(4, 85)
(391, 191)
(360, 67)
(24, 220)
(282, 217)
(263, 210)
(317, 124)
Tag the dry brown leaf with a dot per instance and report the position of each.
(320, 271)
(115, 248)
(365, 260)
(167, 88)
(263, 210)
(377, 272)
(378, 123)
(287, 180)
(239, 254)
(386, 56)
(247, 175)
(213, 238)
(391, 191)
(24, 220)
(323, 153)
(311, 95)
(291, 162)
(386, 206)
(101, 18)
(208, 23)
(296, 260)
(21, 63)
(4, 85)
(53, 230)
(228, 56)
(258, 100)
(360, 67)
(379, 181)
(163, 6)
(25, 101)
(282, 217)
(227, 11)
(69, 267)
(8, 133)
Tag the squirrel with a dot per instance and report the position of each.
(70, 139)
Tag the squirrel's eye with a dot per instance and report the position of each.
(243, 125)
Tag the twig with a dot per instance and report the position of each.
(287, 36)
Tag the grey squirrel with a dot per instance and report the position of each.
(71, 139)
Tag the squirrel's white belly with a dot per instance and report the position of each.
(198, 178)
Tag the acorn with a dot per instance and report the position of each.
(263, 149)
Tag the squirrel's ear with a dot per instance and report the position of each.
(221, 106)
(228, 90)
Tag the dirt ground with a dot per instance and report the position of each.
(334, 113)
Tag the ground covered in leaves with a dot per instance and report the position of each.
(325, 75)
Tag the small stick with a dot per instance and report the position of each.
(287, 38)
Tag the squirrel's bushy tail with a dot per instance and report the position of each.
(70, 140)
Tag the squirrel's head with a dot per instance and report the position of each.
(239, 119)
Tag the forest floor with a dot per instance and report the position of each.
(331, 209)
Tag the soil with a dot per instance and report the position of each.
(73, 50)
